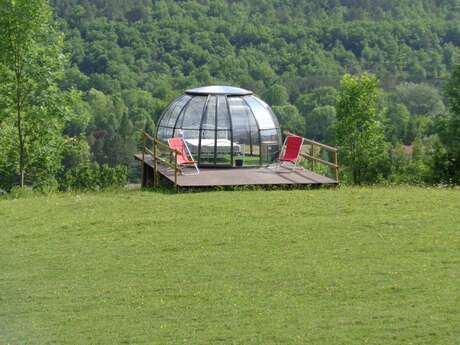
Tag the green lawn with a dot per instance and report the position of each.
(345, 266)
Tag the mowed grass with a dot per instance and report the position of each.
(345, 266)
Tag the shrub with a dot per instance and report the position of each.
(17, 192)
(94, 177)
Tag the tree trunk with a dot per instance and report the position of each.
(20, 129)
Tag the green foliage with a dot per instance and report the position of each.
(396, 119)
(411, 111)
(320, 123)
(317, 107)
(129, 59)
(277, 95)
(75, 152)
(320, 97)
(360, 136)
(420, 99)
(34, 110)
(449, 163)
(18, 192)
(289, 118)
(44, 152)
(412, 164)
(141, 54)
(94, 177)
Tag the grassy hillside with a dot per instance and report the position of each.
(346, 266)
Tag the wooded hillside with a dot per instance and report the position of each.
(129, 59)
(133, 57)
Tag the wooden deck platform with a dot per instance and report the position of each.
(210, 177)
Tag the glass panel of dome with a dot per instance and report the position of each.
(180, 119)
(269, 135)
(164, 134)
(208, 134)
(193, 113)
(223, 121)
(240, 114)
(209, 118)
(251, 154)
(224, 148)
(255, 138)
(243, 125)
(189, 133)
(166, 116)
(208, 147)
(267, 107)
(270, 146)
(192, 138)
(176, 109)
(261, 113)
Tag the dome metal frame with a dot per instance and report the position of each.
(250, 128)
(219, 90)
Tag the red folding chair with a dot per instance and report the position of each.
(290, 152)
(184, 157)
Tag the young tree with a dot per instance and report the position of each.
(31, 61)
(360, 136)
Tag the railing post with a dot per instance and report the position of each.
(155, 167)
(175, 169)
(336, 166)
(312, 165)
(144, 138)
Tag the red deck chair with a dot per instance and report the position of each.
(290, 151)
(184, 157)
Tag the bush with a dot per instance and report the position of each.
(46, 186)
(18, 192)
(94, 177)
(112, 177)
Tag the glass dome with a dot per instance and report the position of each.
(223, 126)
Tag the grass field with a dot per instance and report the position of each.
(346, 266)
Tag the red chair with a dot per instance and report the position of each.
(290, 152)
(184, 157)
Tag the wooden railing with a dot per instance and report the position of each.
(333, 164)
(154, 152)
(172, 163)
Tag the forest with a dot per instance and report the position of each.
(95, 73)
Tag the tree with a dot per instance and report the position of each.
(31, 61)
(277, 95)
(143, 53)
(450, 131)
(322, 96)
(360, 136)
(420, 99)
(396, 120)
(290, 118)
(320, 124)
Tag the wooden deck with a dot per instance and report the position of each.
(210, 177)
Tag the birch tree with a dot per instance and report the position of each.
(32, 106)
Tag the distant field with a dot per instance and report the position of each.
(346, 266)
